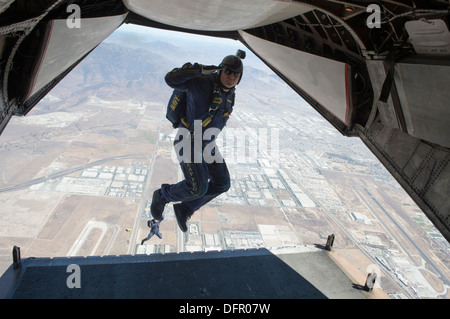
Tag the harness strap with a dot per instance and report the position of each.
(206, 119)
(213, 109)
(396, 54)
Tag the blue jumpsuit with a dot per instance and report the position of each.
(203, 180)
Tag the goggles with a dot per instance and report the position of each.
(236, 74)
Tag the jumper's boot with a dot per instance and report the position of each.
(157, 206)
(182, 216)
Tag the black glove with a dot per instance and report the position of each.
(208, 69)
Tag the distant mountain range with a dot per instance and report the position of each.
(114, 72)
(128, 66)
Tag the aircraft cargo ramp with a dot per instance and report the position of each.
(303, 272)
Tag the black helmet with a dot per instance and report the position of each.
(234, 63)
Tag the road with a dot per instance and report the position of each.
(180, 234)
(79, 242)
(67, 172)
(137, 221)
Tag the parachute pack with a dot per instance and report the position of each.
(176, 109)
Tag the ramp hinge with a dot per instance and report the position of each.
(16, 257)
(330, 242)
(370, 282)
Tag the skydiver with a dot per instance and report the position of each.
(154, 229)
(203, 180)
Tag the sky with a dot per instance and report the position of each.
(215, 44)
(174, 35)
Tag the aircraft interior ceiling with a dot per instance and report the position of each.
(377, 70)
